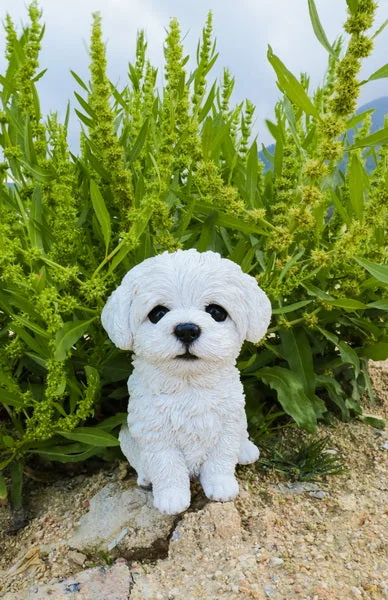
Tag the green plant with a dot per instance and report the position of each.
(308, 461)
(178, 168)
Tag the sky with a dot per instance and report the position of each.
(243, 29)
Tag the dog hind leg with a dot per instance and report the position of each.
(248, 452)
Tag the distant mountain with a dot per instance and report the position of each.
(381, 109)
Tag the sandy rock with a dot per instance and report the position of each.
(119, 521)
(216, 523)
(100, 583)
(202, 544)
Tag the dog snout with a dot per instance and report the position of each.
(187, 332)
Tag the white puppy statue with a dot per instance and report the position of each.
(185, 315)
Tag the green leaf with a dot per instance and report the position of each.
(379, 272)
(252, 174)
(39, 76)
(373, 421)
(290, 115)
(375, 139)
(335, 392)
(229, 221)
(3, 488)
(352, 6)
(139, 142)
(291, 86)
(274, 130)
(91, 436)
(79, 81)
(101, 211)
(377, 351)
(85, 120)
(356, 183)
(112, 422)
(278, 157)
(291, 395)
(380, 29)
(37, 345)
(290, 263)
(33, 326)
(35, 220)
(313, 290)
(11, 398)
(318, 29)
(8, 441)
(379, 74)
(208, 104)
(117, 368)
(347, 303)
(87, 108)
(41, 175)
(67, 454)
(297, 350)
(68, 335)
(379, 304)
(356, 119)
(347, 353)
(290, 307)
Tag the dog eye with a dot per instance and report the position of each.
(216, 312)
(157, 313)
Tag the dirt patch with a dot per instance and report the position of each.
(276, 541)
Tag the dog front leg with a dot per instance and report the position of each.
(217, 472)
(170, 481)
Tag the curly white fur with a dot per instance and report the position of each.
(186, 417)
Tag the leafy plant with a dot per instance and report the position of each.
(177, 168)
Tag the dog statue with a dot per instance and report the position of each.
(185, 315)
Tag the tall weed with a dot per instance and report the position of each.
(177, 168)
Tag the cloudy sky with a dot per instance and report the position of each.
(243, 30)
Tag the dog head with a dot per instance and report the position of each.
(186, 308)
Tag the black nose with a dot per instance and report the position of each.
(187, 332)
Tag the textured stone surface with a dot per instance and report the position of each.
(120, 521)
(100, 583)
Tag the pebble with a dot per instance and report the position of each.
(276, 561)
(269, 591)
(320, 494)
(77, 557)
(356, 592)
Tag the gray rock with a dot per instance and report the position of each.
(297, 487)
(120, 521)
(276, 561)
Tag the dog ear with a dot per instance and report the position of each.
(115, 315)
(258, 310)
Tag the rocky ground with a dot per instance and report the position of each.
(97, 537)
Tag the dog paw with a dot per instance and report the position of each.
(172, 501)
(143, 482)
(222, 488)
(248, 453)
